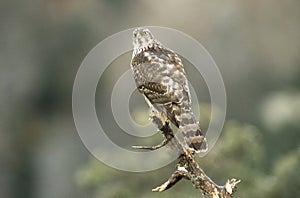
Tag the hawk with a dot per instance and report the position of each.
(159, 75)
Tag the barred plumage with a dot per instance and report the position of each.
(160, 77)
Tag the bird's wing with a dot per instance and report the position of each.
(163, 101)
(160, 76)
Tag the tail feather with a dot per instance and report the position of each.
(192, 134)
(198, 142)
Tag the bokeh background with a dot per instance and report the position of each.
(255, 44)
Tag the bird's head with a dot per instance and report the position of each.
(142, 37)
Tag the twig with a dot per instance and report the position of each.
(187, 167)
(152, 147)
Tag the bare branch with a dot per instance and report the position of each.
(152, 147)
(187, 167)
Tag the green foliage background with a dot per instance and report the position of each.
(255, 44)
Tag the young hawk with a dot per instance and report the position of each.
(160, 77)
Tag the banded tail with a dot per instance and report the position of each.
(191, 131)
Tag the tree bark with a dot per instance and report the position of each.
(187, 167)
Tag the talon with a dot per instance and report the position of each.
(151, 114)
(167, 122)
(161, 117)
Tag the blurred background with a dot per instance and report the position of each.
(255, 44)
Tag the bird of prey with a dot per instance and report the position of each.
(160, 76)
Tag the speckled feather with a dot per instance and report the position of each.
(159, 75)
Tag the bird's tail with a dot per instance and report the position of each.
(191, 131)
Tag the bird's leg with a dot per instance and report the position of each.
(159, 119)
(163, 124)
